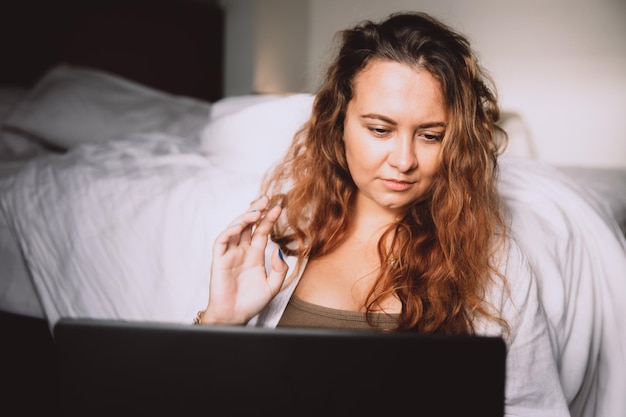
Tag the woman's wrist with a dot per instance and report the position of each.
(198, 318)
(202, 317)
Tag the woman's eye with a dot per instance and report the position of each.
(433, 137)
(379, 131)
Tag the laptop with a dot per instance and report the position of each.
(119, 368)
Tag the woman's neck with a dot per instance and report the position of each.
(343, 278)
(368, 221)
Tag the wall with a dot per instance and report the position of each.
(239, 52)
(561, 64)
(265, 42)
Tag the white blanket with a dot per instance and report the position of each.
(579, 254)
(124, 230)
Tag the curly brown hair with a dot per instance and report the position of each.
(440, 260)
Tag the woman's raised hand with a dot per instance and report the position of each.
(240, 287)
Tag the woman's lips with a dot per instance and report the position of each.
(397, 185)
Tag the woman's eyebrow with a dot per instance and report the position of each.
(386, 119)
(432, 124)
(378, 117)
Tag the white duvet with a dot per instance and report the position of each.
(124, 230)
(579, 254)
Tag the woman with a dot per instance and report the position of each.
(386, 208)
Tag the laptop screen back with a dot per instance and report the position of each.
(153, 369)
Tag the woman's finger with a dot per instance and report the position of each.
(252, 217)
(278, 271)
(263, 228)
(227, 238)
(240, 230)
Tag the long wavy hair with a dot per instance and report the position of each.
(440, 259)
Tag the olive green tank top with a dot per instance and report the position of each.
(300, 313)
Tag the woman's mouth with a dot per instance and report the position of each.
(397, 185)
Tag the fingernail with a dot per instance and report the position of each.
(280, 255)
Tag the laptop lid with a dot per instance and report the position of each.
(158, 369)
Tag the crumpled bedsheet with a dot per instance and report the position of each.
(579, 254)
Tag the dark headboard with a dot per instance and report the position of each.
(173, 45)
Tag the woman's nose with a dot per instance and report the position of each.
(403, 155)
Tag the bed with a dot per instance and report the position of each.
(119, 168)
(170, 51)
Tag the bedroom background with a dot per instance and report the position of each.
(111, 163)
(559, 64)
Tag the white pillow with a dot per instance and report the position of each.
(233, 104)
(10, 95)
(73, 105)
(251, 140)
(16, 146)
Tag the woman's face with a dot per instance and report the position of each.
(392, 132)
